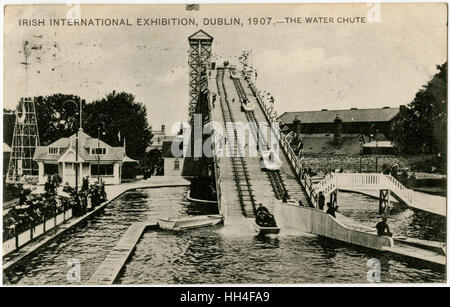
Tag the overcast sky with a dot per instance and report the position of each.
(305, 66)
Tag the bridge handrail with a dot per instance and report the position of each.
(334, 180)
(303, 177)
(407, 195)
(361, 180)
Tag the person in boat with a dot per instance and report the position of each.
(321, 200)
(264, 218)
(383, 228)
(331, 210)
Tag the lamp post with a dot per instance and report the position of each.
(98, 150)
(77, 104)
(376, 150)
(360, 155)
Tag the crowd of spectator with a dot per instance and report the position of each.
(34, 209)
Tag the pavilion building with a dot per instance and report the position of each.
(96, 159)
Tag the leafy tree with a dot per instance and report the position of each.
(114, 113)
(9, 118)
(152, 163)
(118, 112)
(421, 127)
(56, 118)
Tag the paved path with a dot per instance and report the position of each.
(422, 201)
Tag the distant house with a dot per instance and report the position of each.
(354, 121)
(173, 166)
(158, 137)
(95, 158)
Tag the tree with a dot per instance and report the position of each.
(118, 115)
(421, 127)
(55, 118)
(9, 119)
(152, 163)
(114, 113)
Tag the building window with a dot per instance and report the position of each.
(102, 170)
(98, 151)
(176, 165)
(53, 150)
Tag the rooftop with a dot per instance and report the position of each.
(323, 143)
(85, 142)
(201, 35)
(353, 115)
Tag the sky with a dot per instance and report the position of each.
(305, 66)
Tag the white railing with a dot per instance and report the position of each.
(327, 185)
(303, 177)
(407, 195)
(365, 181)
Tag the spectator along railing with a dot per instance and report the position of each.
(303, 176)
(42, 212)
(16, 236)
(334, 180)
(365, 181)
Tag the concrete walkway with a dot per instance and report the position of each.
(110, 268)
(422, 201)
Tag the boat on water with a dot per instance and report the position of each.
(200, 201)
(189, 222)
(261, 230)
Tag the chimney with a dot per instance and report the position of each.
(337, 130)
(297, 125)
(163, 128)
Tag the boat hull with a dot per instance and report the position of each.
(265, 230)
(172, 223)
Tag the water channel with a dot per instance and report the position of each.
(210, 255)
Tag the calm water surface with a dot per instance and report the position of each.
(212, 255)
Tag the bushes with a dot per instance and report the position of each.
(12, 191)
(31, 211)
(352, 163)
(88, 198)
(34, 209)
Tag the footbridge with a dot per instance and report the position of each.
(386, 185)
(227, 97)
